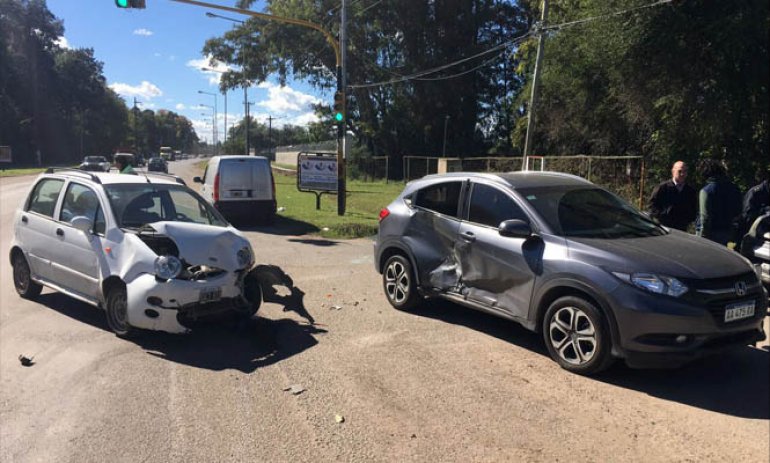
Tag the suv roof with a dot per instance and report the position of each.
(521, 179)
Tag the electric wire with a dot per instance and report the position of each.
(606, 15)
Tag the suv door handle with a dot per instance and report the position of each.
(59, 232)
(468, 236)
(24, 219)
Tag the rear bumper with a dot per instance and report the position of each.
(247, 210)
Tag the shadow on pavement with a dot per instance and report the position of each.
(282, 226)
(734, 383)
(271, 278)
(319, 242)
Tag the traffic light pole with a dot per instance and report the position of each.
(341, 124)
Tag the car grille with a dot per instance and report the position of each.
(715, 294)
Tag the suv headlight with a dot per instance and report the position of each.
(245, 257)
(658, 284)
(167, 267)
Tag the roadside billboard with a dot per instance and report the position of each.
(317, 172)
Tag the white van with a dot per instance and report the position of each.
(242, 188)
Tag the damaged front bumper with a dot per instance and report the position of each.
(166, 305)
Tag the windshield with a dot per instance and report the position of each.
(95, 159)
(138, 204)
(589, 213)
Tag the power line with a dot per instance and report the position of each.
(606, 15)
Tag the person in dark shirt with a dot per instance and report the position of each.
(674, 203)
(757, 200)
(720, 204)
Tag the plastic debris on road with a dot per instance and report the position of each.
(26, 361)
(295, 389)
(339, 418)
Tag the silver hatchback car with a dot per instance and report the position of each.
(564, 257)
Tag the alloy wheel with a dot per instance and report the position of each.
(573, 335)
(397, 282)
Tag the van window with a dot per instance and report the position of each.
(44, 196)
(442, 198)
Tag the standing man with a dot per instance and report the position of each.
(720, 204)
(123, 163)
(674, 203)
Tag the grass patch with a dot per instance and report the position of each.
(363, 205)
(18, 172)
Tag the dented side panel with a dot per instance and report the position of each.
(432, 239)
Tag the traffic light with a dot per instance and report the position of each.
(339, 106)
(130, 3)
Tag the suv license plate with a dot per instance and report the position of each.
(210, 295)
(738, 311)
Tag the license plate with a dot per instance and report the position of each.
(210, 295)
(738, 311)
(236, 194)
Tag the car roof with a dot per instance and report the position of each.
(520, 179)
(106, 178)
(238, 156)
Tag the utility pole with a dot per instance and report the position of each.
(535, 82)
(270, 133)
(341, 129)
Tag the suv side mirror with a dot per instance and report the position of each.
(515, 228)
(197, 180)
(83, 224)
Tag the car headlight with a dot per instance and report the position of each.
(245, 257)
(658, 284)
(167, 267)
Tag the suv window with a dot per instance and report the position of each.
(490, 206)
(44, 196)
(442, 198)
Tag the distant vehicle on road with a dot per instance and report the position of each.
(147, 249)
(95, 164)
(167, 153)
(572, 261)
(157, 165)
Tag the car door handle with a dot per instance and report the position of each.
(468, 236)
(24, 219)
(59, 232)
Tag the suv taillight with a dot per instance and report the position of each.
(384, 213)
(216, 188)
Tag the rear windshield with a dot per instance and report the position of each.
(95, 159)
(139, 204)
(589, 213)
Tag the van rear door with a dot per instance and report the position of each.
(244, 180)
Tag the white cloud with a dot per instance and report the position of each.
(144, 90)
(62, 42)
(157, 55)
(304, 119)
(211, 69)
(143, 32)
(282, 100)
(202, 128)
(180, 107)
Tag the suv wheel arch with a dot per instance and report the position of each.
(394, 249)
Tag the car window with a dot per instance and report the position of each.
(442, 198)
(188, 208)
(79, 201)
(100, 225)
(44, 196)
(490, 206)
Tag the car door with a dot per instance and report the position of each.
(35, 231)
(432, 233)
(497, 271)
(74, 255)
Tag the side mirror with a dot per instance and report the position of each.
(197, 180)
(515, 229)
(83, 224)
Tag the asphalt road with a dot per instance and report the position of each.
(440, 384)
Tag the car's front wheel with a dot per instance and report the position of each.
(117, 311)
(576, 336)
(399, 284)
(22, 278)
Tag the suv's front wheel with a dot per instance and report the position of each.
(398, 283)
(576, 336)
(117, 311)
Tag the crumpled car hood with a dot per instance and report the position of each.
(204, 244)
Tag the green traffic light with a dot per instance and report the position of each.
(121, 3)
(338, 117)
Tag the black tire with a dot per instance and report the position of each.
(22, 278)
(253, 293)
(116, 309)
(399, 284)
(577, 337)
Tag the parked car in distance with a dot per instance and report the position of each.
(95, 164)
(139, 160)
(242, 188)
(157, 165)
(568, 259)
(147, 249)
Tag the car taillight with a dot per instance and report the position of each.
(216, 188)
(384, 213)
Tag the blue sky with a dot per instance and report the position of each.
(155, 56)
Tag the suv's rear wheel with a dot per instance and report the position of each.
(398, 283)
(22, 278)
(117, 311)
(576, 336)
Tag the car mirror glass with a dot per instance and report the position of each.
(198, 180)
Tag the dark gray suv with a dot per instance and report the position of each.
(564, 257)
